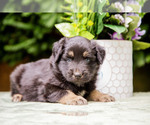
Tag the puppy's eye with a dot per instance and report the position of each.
(87, 59)
(69, 59)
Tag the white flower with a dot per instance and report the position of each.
(123, 8)
(127, 21)
(119, 17)
(128, 9)
(119, 6)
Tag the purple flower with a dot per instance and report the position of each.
(116, 36)
(138, 34)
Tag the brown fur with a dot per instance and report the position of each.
(85, 54)
(95, 95)
(71, 54)
(72, 99)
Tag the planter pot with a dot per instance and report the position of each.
(115, 76)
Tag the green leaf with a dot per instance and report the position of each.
(26, 2)
(84, 20)
(139, 58)
(25, 44)
(142, 2)
(26, 14)
(48, 20)
(33, 50)
(101, 5)
(100, 25)
(84, 9)
(66, 8)
(68, 1)
(137, 45)
(132, 26)
(17, 24)
(148, 59)
(66, 29)
(114, 21)
(82, 28)
(116, 28)
(86, 34)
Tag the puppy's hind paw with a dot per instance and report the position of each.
(17, 98)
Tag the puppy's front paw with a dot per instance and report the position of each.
(105, 98)
(72, 99)
(78, 100)
(100, 97)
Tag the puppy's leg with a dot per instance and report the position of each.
(15, 78)
(71, 99)
(17, 98)
(56, 94)
(95, 95)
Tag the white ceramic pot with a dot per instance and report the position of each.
(115, 76)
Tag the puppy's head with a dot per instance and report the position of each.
(78, 59)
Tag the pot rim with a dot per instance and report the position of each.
(112, 40)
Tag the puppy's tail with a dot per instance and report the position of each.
(15, 78)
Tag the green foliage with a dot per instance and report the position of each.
(16, 47)
(71, 30)
(100, 24)
(26, 35)
(138, 45)
(139, 59)
(86, 34)
(80, 17)
(132, 26)
(67, 29)
(148, 58)
(101, 4)
(33, 6)
(142, 2)
(30, 35)
(88, 23)
(118, 29)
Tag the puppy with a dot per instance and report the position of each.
(68, 77)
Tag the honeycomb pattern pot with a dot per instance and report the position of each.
(115, 76)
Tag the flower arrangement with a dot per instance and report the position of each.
(88, 18)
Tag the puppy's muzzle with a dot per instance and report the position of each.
(77, 74)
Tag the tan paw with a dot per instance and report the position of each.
(95, 95)
(78, 100)
(106, 98)
(17, 98)
(72, 99)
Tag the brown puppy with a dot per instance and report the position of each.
(68, 77)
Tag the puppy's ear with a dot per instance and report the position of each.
(100, 52)
(58, 48)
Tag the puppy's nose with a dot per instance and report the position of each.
(77, 74)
